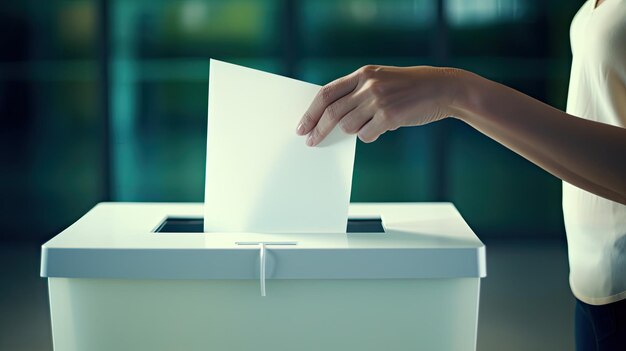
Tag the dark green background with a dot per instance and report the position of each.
(107, 100)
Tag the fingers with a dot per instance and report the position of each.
(354, 120)
(327, 95)
(330, 117)
(378, 125)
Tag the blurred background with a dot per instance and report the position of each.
(106, 101)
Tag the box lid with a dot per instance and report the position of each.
(117, 240)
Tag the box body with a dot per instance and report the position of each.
(396, 314)
(360, 299)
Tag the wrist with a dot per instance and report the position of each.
(464, 93)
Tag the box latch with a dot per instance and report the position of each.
(262, 257)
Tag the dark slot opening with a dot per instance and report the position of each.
(195, 225)
(180, 225)
(365, 225)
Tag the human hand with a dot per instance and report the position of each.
(375, 99)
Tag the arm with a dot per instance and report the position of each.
(375, 99)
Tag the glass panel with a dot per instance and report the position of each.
(379, 28)
(195, 28)
(498, 192)
(496, 28)
(51, 137)
(159, 86)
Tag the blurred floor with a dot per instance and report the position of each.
(24, 316)
(525, 300)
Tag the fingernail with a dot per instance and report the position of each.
(300, 129)
(309, 140)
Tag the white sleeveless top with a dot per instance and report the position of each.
(596, 227)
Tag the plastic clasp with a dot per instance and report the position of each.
(262, 257)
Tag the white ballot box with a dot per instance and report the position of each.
(142, 276)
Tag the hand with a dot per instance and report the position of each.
(375, 99)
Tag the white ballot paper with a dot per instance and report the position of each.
(260, 175)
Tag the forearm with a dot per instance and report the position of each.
(585, 153)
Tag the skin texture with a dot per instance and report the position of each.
(377, 99)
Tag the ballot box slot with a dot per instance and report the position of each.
(365, 225)
(180, 225)
(196, 225)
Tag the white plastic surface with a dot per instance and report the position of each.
(115, 225)
(115, 240)
(262, 268)
(434, 306)
(304, 315)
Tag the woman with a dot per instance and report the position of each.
(585, 146)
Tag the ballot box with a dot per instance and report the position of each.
(143, 276)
